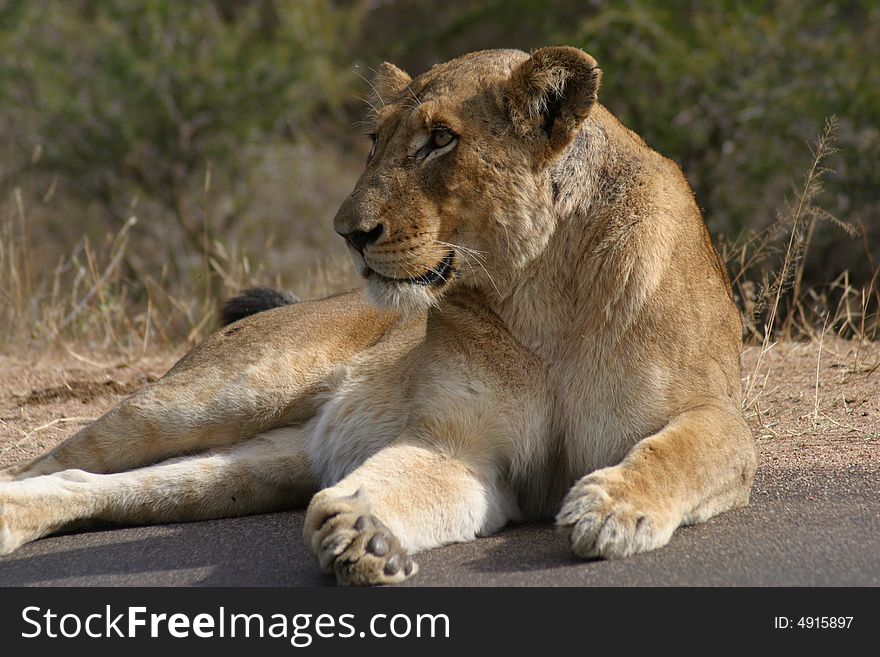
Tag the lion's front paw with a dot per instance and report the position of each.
(606, 516)
(353, 544)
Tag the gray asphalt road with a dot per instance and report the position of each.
(816, 527)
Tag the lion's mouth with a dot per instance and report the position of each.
(439, 274)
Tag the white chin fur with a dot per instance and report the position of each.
(405, 298)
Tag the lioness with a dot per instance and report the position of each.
(545, 329)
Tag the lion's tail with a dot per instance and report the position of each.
(252, 301)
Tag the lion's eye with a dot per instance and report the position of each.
(440, 141)
(372, 137)
(441, 137)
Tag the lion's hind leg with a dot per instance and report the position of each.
(269, 472)
(169, 418)
(266, 371)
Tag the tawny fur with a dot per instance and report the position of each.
(578, 357)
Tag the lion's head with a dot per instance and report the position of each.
(457, 186)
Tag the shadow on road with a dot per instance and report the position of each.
(262, 550)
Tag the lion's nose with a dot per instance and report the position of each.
(359, 239)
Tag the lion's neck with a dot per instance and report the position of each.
(577, 286)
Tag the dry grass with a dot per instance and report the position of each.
(780, 308)
(819, 392)
(140, 287)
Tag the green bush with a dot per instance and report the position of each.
(127, 98)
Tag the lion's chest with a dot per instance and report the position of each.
(546, 423)
(604, 402)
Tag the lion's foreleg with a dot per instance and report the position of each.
(404, 499)
(699, 465)
(268, 472)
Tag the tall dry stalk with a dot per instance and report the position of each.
(800, 216)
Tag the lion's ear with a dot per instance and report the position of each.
(550, 94)
(389, 81)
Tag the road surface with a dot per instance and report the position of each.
(814, 527)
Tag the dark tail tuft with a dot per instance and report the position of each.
(252, 301)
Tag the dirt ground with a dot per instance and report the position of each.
(46, 397)
(811, 404)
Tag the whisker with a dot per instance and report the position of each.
(412, 93)
(463, 252)
(476, 255)
(366, 101)
(372, 86)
